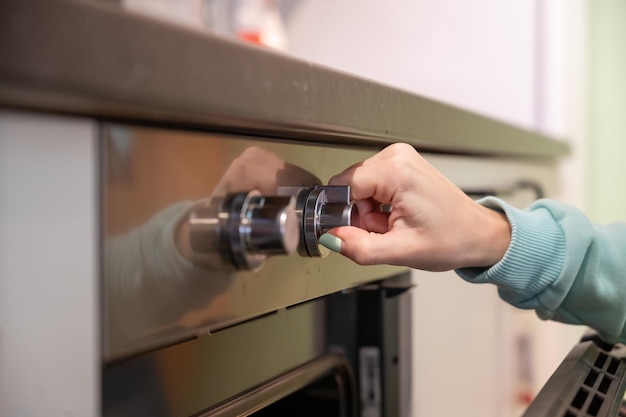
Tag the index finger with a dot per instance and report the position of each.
(365, 181)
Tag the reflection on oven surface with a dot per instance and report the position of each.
(204, 231)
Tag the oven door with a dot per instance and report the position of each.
(339, 355)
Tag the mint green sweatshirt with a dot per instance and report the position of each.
(563, 266)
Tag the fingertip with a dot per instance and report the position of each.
(331, 242)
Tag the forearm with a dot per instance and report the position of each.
(148, 256)
(563, 266)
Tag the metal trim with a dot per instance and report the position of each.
(192, 377)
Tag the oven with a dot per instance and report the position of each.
(165, 193)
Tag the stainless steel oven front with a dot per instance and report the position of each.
(216, 290)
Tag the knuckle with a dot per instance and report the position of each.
(401, 148)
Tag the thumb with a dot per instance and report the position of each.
(363, 247)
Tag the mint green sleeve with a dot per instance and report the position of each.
(561, 265)
(145, 260)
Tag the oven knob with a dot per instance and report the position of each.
(245, 229)
(269, 225)
(322, 208)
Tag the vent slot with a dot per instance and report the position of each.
(592, 376)
(612, 369)
(595, 405)
(598, 386)
(600, 360)
(580, 398)
(605, 384)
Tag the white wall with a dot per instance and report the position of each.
(606, 155)
(478, 55)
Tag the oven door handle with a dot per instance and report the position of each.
(290, 382)
(505, 192)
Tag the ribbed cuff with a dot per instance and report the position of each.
(533, 260)
(162, 262)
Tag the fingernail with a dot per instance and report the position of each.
(332, 242)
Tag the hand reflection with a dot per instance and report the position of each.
(150, 278)
(255, 169)
(264, 171)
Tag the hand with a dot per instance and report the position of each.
(433, 225)
(261, 170)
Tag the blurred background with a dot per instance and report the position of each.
(556, 67)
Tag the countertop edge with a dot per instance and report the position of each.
(98, 60)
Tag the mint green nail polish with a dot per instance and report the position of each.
(332, 242)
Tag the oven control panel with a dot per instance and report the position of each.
(244, 229)
(202, 231)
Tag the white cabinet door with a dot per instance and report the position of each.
(49, 328)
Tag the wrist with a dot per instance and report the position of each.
(493, 238)
(501, 237)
